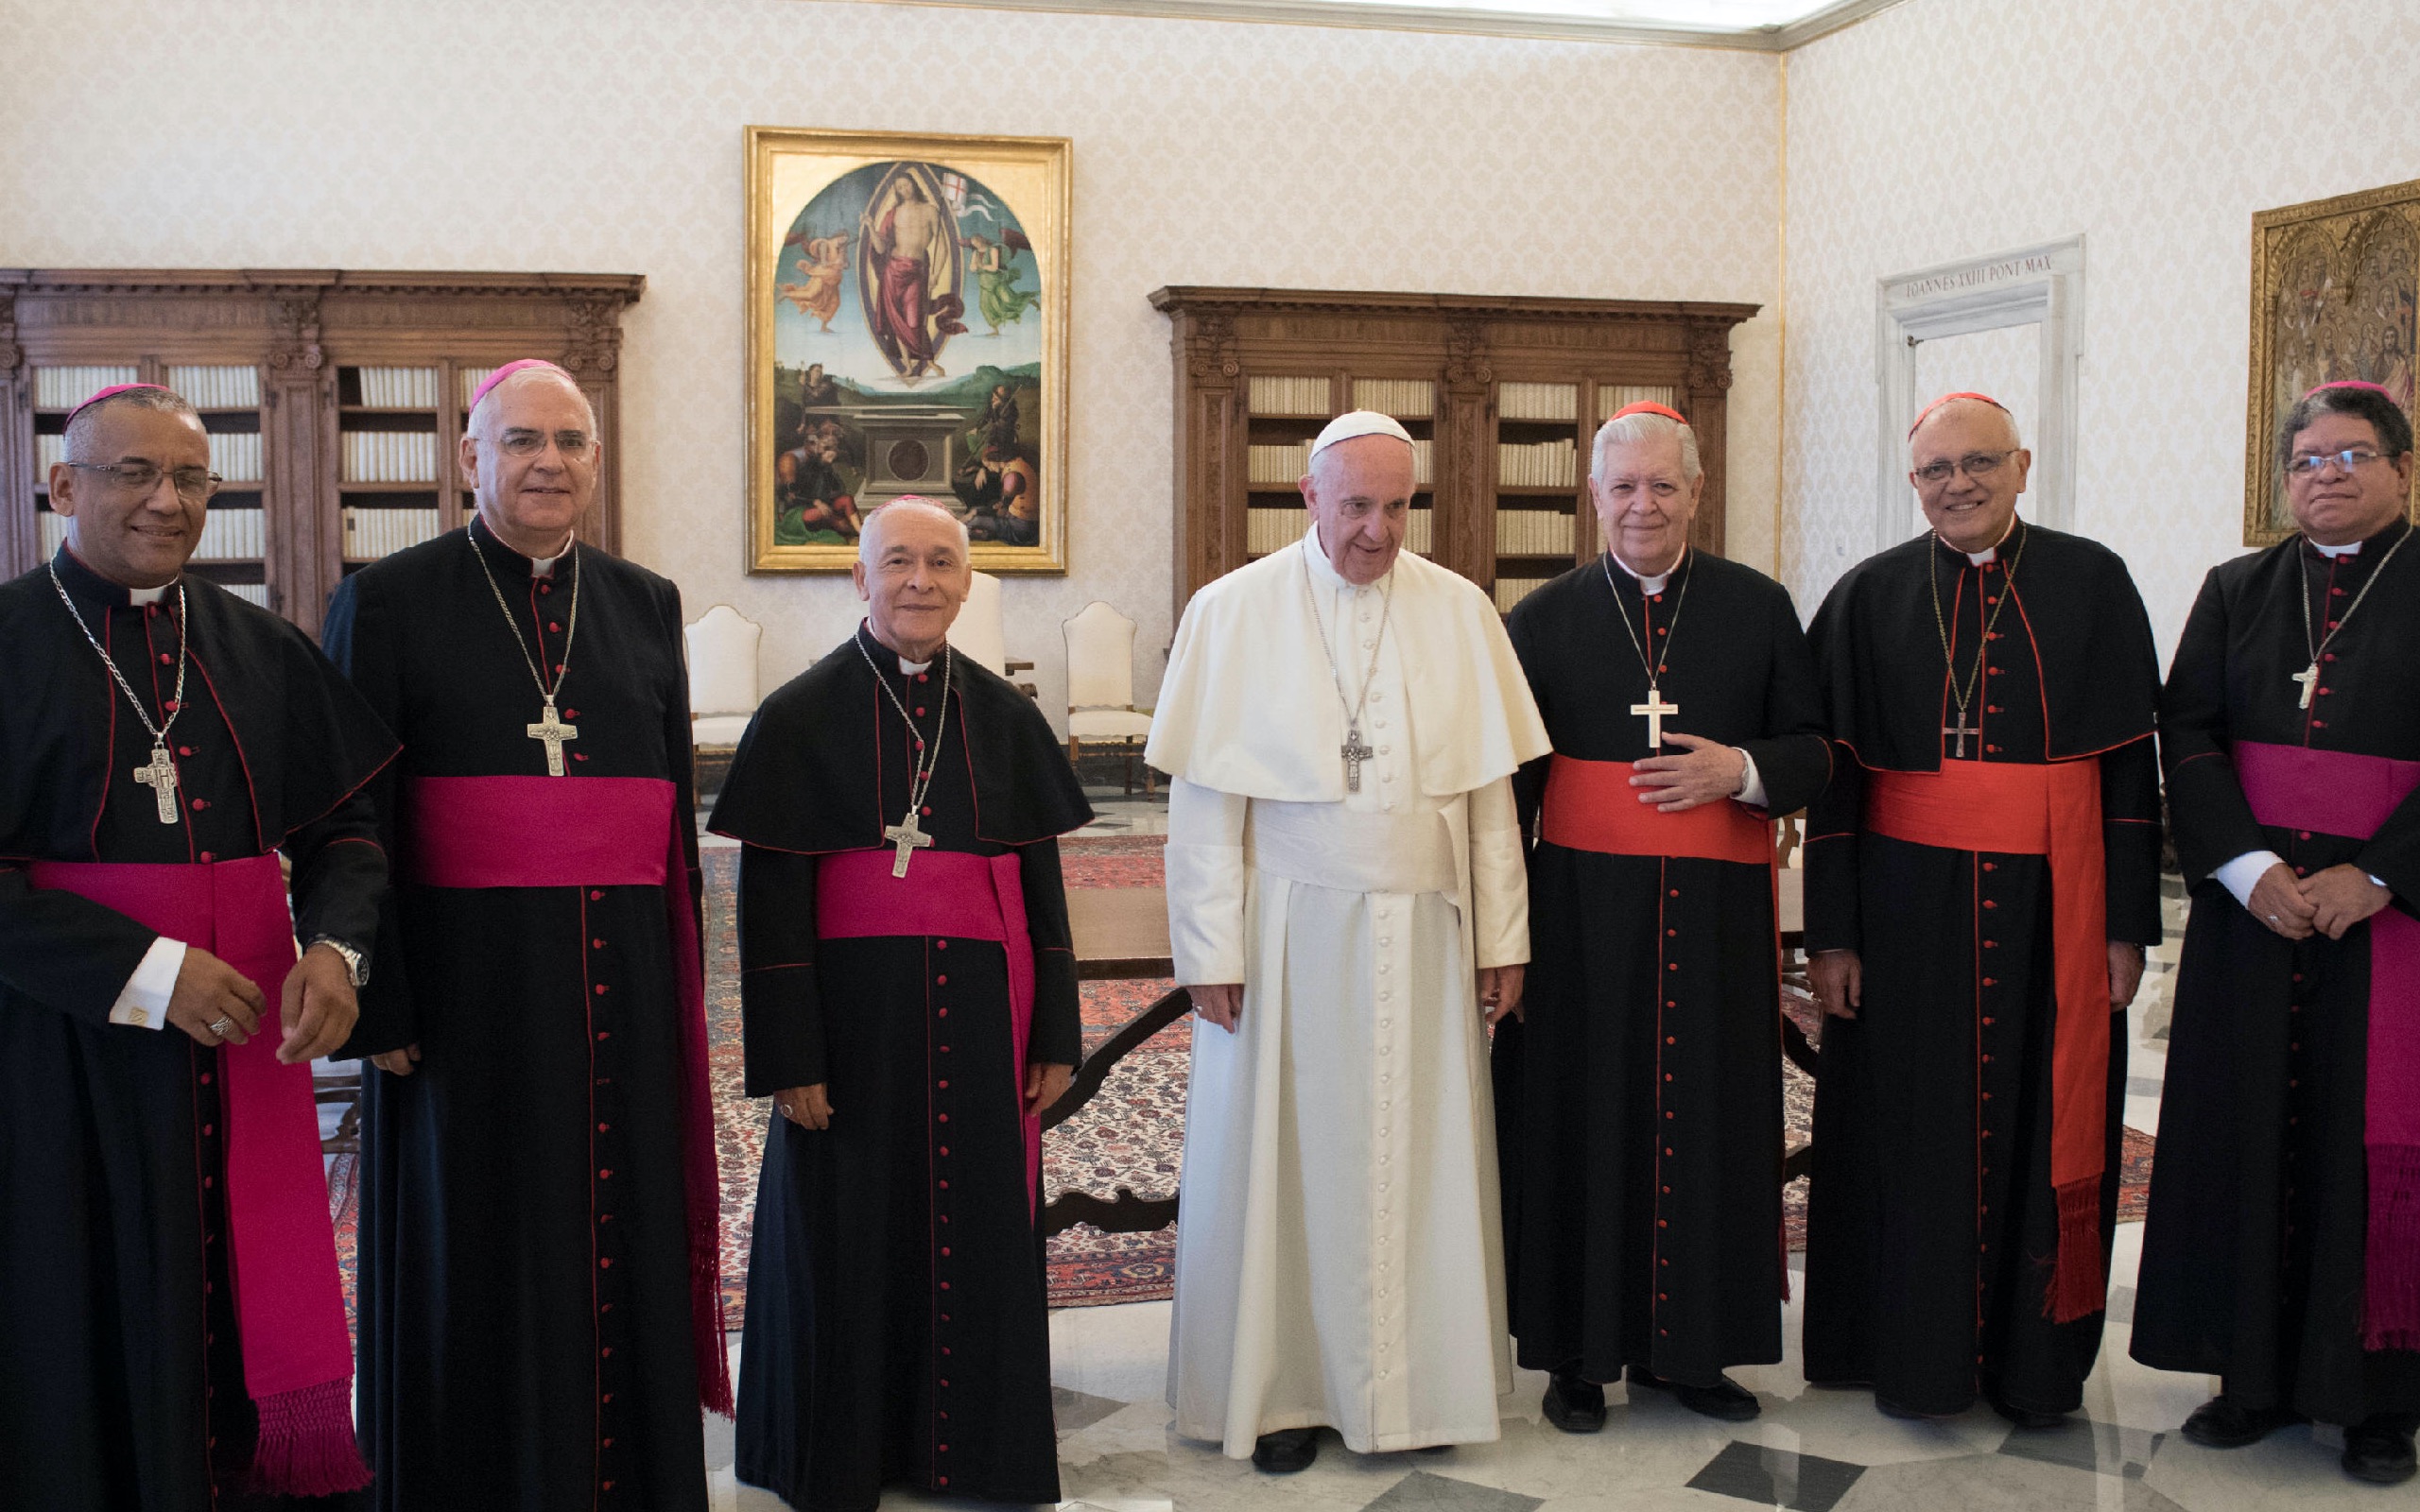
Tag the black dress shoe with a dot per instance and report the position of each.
(2380, 1451)
(1726, 1398)
(1286, 1451)
(2222, 1422)
(2027, 1417)
(1574, 1405)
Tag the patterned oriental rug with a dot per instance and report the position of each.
(1131, 1135)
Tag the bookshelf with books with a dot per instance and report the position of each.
(1501, 394)
(334, 401)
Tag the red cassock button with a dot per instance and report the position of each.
(941, 980)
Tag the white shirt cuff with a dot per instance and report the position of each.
(2243, 873)
(144, 1001)
(1751, 787)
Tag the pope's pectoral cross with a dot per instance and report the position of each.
(554, 733)
(158, 774)
(1656, 710)
(1959, 732)
(908, 838)
(1355, 754)
(2308, 677)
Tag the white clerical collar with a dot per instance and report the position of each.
(1324, 571)
(2351, 548)
(1650, 586)
(140, 596)
(911, 668)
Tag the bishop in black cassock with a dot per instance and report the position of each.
(910, 989)
(540, 1304)
(127, 1378)
(1987, 854)
(1638, 1096)
(2282, 1251)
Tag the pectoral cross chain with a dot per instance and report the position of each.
(160, 775)
(1355, 754)
(2308, 677)
(554, 733)
(1960, 732)
(1656, 710)
(908, 838)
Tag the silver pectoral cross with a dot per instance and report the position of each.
(1960, 730)
(554, 733)
(160, 775)
(1656, 710)
(1355, 754)
(2308, 677)
(908, 838)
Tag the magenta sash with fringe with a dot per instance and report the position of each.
(2334, 792)
(952, 895)
(289, 1299)
(600, 831)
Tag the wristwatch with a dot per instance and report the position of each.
(354, 970)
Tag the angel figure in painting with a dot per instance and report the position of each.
(995, 278)
(823, 259)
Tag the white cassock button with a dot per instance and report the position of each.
(1386, 940)
(1378, 724)
(1387, 995)
(1385, 1050)
(1376, 697)
(1386, 1023)
(1388, 750)
(1384, 967)
(1388, 805)
(1384, 1104)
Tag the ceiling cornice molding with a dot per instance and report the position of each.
(1452, 21)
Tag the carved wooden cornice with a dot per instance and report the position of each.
(1210, 352)
(297, 352)
(11, 353)
(1468, 370)
(1709, 359)
(612, 288)
(1199, 300)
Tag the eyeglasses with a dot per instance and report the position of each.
(193, 484)
(2345, 460)
(574, 445)
(1976, 465)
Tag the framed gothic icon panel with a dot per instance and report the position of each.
(907, 302)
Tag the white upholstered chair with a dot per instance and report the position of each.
(978, 632)
(722, 675)
(1100, 688)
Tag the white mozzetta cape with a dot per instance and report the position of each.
(1249, 646)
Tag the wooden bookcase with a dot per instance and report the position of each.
(1502, 394)
(333, 400)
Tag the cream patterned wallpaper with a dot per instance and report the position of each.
(1946, 128)
(604, 135)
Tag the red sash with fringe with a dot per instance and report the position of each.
(600, 831)
(2335, 792)
(2048, 810)
(289, 1301)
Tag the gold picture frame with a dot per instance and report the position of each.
(907, 298)
(2334, 286)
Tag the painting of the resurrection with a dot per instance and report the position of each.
(2334, 288)
(909, 317)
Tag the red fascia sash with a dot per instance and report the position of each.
(2048, 810)
(2335, 792)
(1591, 806)
(948, 895)
(289, 1299)
(600, 831)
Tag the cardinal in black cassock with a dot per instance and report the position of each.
(909, 989)
(1996, 888)
(141, 1150)
(539, 1272)
(2282, 1251)
(1638, 1098)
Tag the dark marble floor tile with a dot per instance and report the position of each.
(2121, 1304)
(1443, 1493)
(2085, 1445)
(1076, 1409)
(1777, 1477)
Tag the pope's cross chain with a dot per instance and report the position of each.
(160, 775)
(554, 733)
(907, 838)
(1355, 754)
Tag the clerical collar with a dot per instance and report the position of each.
(1988, 555)
(1324, 571)
(532, 566)
(2351, 548)
(880, 653)
(1650, 586)
(89, 586)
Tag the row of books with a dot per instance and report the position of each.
(1403, 398)
(1511, 591)
(233, 535)
(66, 388)
(249, 592)
(217, 388)
(389, 457)
(472, 378)
(1537, 402)
(397, 388)
(1284, 465)
(1533, 533)
(236, 456)
(1537, 464)
(1290, 396)
(1610, 398)
(1267, 530)
(369, 534)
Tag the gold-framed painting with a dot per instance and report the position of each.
(2334, 285)
(907, 333)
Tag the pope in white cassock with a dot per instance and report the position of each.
(1348, 908)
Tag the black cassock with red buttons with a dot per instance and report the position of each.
(1930, 1215)
(525, 1313)
(121, 1380)
(897, 1331)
